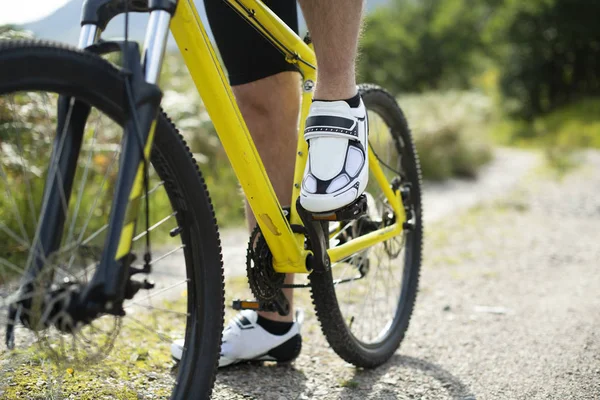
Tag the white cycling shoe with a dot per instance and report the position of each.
(245, 340)
(337, 170)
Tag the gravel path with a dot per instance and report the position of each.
(508, 308)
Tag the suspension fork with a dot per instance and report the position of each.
(106, 290)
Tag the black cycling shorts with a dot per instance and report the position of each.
(247, 55)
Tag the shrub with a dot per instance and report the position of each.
(11, 32)
(575, 126)
(450, 132)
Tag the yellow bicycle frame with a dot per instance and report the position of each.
(288, 250)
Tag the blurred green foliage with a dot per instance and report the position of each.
(12, 32)
(547, 52)
(183, 104)
(576, 125)
(414, 46)
(449, 132)
(560, 133)
(552, 57)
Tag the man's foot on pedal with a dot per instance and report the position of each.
(337, 170)
(247, 338)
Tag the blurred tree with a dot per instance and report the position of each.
(421, 45)
(553, 53)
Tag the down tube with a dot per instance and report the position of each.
(218, 98)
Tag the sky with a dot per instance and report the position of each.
(22, 11)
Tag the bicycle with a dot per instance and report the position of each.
(72, 282)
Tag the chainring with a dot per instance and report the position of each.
(264, 281)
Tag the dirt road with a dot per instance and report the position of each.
(509, 308)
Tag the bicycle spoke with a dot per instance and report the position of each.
(167, 254)
(387, 282)
(150, 307)
(14, 204)
(82, 185)
(92, 236)
(93, 207)
(161, 336)
(97, 196)
(25, 173)
(13, 235)
(153, 227)
(22, 241)
(161, 291)
(14, 298)
(154, 189)
(375, 304)
(85, 272)
(348, 225)
(10, 265)
(364, 303)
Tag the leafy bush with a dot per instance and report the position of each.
(561, 134)
(11, 32)
(450, 132)
(574, 126)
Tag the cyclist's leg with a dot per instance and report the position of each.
(267, 90)
(334, 26)
(270, 107)
(336, 129)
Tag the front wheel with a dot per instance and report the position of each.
(112, 357)
(364, 302)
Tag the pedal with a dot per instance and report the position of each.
(255, 305)
(349, 212)
(246, 305)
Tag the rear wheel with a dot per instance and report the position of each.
(113, 357)
(365, 302)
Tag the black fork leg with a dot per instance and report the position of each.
(71, 119)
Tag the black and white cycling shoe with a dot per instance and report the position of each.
(337, 170)
(245, 340)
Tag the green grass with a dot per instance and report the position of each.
(121, 375)
(350, 383)
(138, 356)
